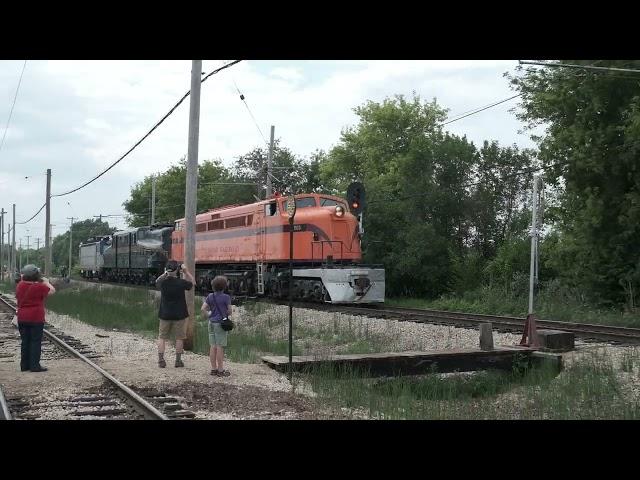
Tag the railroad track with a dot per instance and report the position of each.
(113, 400)
(585, 331)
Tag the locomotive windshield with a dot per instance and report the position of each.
(305, 202)
(330, 202)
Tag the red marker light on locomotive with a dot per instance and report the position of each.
(355, 205)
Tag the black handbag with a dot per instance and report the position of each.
(226, 323)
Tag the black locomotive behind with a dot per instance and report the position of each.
(135, 256)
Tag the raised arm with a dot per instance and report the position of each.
(187, 274)
(52, 289)
(160, 279)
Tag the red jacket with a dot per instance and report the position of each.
(30, 296)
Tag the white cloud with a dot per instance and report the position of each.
(77, 117)
(292, 74)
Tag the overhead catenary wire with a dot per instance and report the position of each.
(15, 97)
(481, 109)
(230, 64)
(34, 216)
(244, 100)
(585, 67)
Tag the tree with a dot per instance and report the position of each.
(217, 186)
(414, 175)
(499, 195)
(291, 174)
(590, 152)
(82, 231)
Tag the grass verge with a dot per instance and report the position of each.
(492, 301)
(589, 389)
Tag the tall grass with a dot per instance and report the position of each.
(7, 286)
(590, 389)
(125, 309)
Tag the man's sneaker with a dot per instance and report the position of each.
(214, 373)
(223, 373)
(179, 363)
(39, 368)
(162, 363)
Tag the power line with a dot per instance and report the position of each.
(470, 184)
(34, 215)
(242, 97)
(481, 109)
(147, 134)
(255, 122)
(6, 128)
(587, 67)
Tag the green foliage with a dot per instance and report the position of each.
(590, 152)
(436, 204)
(82, 230)
(588, 389)
(213, 191)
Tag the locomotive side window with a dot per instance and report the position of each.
(217, 225)
(305, 202)
(270, 209)
(249, 220)
(178, 226)
(235, 222)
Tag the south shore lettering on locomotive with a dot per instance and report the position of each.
(249, 244)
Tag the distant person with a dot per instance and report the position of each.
(63, 272)
(17, 277)
(218, 306)
(173, 312)
(31, 293)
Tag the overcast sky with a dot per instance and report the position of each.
(77, 117)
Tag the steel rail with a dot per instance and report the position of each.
(588, 330)
(5, 414)
(140, 403)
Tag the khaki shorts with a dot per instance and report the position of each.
(179, 328)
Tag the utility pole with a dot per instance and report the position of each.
(13, 242)
(153, 200)
(191, 195)
(534, 239)
(269, 162)
(47, 228)
(51, 250)
(10, 253)
(38, 242)
(70, 244)
(2, 244)
(530, 332)
(28, 249)
(20, 265)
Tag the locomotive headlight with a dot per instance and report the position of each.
(339, 211)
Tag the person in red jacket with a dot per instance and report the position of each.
(31, 292)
